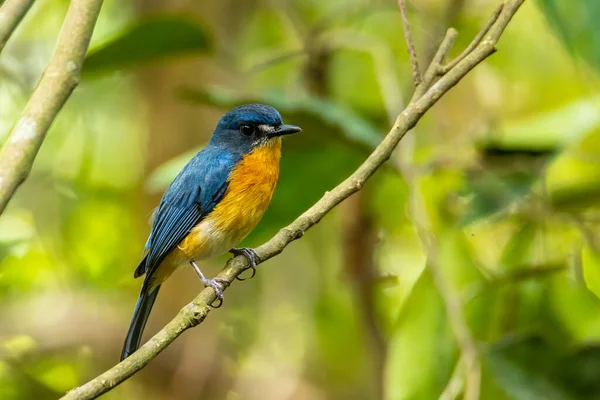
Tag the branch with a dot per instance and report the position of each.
(475, 41)
(11, 14)
(456, 316)
(456, 383)
(434, 68)
(410, 45)
(195, 312)
(55, 87)
(452, 301)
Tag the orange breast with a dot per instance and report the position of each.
(251, 186)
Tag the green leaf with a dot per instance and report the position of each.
(490, 192)
(547, 131)
(536, 367)
(575, 307)
(573, 178)
(590, 263)
(514, 156)
(155, 39)
(421, 352)
(576, 24)
(523, 371)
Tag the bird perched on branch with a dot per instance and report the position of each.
(212, 205)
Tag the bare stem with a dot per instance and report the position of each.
(410, 45)
(55, 87)
(195, 312)
(475, 41)
(434, 68)
(11, 14)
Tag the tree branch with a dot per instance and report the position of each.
(452, 301)
(55, 87)
(410, 45)
(418, 214)
(11, 14)
(475, 41)
(195, 312)
(434, 68)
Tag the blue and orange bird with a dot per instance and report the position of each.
(212, 205)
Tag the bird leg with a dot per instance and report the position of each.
(252, 257)
(217, 284)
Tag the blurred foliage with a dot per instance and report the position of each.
(159, 38)
(507, 165)
(577, 26)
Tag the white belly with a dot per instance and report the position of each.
(215, 241)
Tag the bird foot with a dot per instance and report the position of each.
(250, 255)
(217, 284)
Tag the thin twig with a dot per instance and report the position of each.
(451, 299)
(517, 275)
(195, 312)
(454, 311)
(410, 45)
(11, 14)
(434, 68)
(55, 87)
(273, 61)
(475, 41)
(456, 383)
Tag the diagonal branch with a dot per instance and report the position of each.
(55, 87)
(11, 14)
(444, 69)
(195, 312)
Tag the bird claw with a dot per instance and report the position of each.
(250, 255)
(218, 285)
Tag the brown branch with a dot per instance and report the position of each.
(410, 45)
(11, 14)
(196, 311)
(434, 68)
(359, 247)
(55, 87)
(475, 41)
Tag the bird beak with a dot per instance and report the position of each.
(284, 130)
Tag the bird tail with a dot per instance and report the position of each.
(138, 320)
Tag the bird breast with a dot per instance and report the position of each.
(251, 185)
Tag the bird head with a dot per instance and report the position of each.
(249, 126)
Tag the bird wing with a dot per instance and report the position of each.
(190, 198)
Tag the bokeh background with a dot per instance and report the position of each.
(507, 167)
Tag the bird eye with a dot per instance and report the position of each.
(247, 130)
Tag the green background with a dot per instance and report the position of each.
(507, 167)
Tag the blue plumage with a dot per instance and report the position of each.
(194, 194)
(187, 200)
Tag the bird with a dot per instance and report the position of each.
(214, 202)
